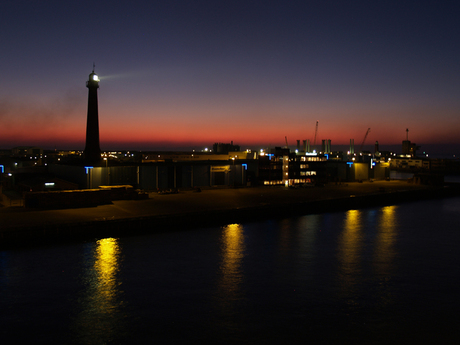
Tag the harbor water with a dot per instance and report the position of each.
(372, 276)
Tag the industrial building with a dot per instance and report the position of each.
(223, 166)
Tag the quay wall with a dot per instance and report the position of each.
(216, 217)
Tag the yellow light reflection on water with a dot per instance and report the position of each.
(349, 255)
(350, 242)
(232, 250)
(384, 252)
(231, 273)
(384, 246)
(100, 317)
(106, 266)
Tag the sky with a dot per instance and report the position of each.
(187, 74)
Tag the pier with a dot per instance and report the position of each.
(210, 207)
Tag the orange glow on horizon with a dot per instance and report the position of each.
(243, 124)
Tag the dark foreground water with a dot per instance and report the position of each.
(374, 276)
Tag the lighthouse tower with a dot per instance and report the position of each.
(92, 149)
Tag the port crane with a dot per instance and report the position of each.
(316, 132)
(365, 136)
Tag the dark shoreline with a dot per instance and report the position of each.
(89, 230)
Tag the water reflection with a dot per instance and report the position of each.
(232, 246)
(106, 266)
(100, 318)
(304, 244)
(384, 252)
(3, 270)
(231, 276)
(286, 227)
(307, 237)
(384, 246)
(350, 245)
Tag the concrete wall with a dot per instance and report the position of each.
(201, 175)
(148, 177)
(67, 199)
(75, 174)
(155, 176)
(381, 172)
(360, 171)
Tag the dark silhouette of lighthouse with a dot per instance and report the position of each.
(92, 149)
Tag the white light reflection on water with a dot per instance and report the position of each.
(101, 318)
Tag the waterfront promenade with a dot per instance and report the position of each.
(212, 206)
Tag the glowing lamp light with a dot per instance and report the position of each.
(95, 77)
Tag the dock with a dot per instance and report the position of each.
(210, 207)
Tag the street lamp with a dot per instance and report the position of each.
(107, 170)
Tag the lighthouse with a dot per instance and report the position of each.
(92, 151)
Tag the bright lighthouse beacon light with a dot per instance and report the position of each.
(95, 77)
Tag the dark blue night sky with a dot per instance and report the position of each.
(189, 73)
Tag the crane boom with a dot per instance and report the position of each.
(365, 136)
(316, 132)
